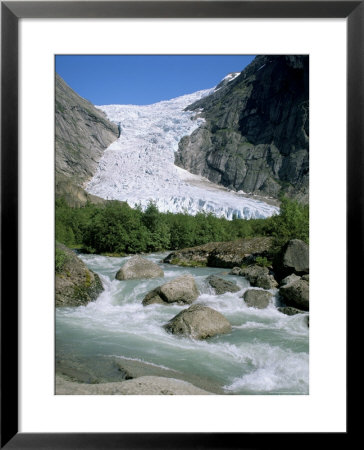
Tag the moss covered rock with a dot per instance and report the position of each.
(75, 284)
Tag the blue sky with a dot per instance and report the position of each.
(141, 80)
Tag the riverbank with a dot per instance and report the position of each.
(147, 385)
(78, 374)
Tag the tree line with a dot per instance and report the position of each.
(116, 228)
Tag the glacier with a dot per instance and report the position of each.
(139, 166)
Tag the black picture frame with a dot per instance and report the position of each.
(11, 12)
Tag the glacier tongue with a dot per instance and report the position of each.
(139, 165)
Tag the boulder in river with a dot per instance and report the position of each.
(289, 310)
(235, 271)
(296, 294)
(293, 258)
(259, 276)
(181, 290)
(75, 284)
(255, 298)
(198, 322)
(138, 267)
(222, 286)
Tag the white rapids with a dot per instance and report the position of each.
(139, 166)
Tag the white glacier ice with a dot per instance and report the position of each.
(139, 166)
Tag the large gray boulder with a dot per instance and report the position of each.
(138, 268)
(259, 276)
(198, 322)
(257, 299)
(294, 258)
(222, 286)
(76, 285)
(181, 290)
(296, 294)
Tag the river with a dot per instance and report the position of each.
(266, 352)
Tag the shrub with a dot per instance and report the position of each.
(263, 261)
(60, 259)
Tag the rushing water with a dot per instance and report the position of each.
(266, 352)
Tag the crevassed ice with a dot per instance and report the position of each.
(139, 166)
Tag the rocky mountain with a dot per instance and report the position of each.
(82, 134)
(255, 135)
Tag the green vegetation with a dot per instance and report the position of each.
(115, 228)
(263, 261)
(60, 260)
(182, 263)
(291, 223)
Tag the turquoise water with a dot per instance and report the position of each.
(266, 352)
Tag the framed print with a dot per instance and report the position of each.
(41, 38)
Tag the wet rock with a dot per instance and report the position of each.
(181, 290)
(255, 298)
(138, 268)
(235, 271)
(259, 277)
(198, 322)
(296, 294)
(221, 286)
(289, 311)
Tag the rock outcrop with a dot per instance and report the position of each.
(255, 298)
(222, 254)
(222, 286)
(138, 267)
(255, 135)
(182, 290)
(198, 322)
(76, 285)
(82, 134)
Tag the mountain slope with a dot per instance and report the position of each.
(255, 135)
(82, 134)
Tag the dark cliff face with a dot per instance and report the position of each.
(82, 134)
(255, 137)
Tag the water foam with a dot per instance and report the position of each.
(266, 351)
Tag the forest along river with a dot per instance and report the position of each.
(266, 352)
